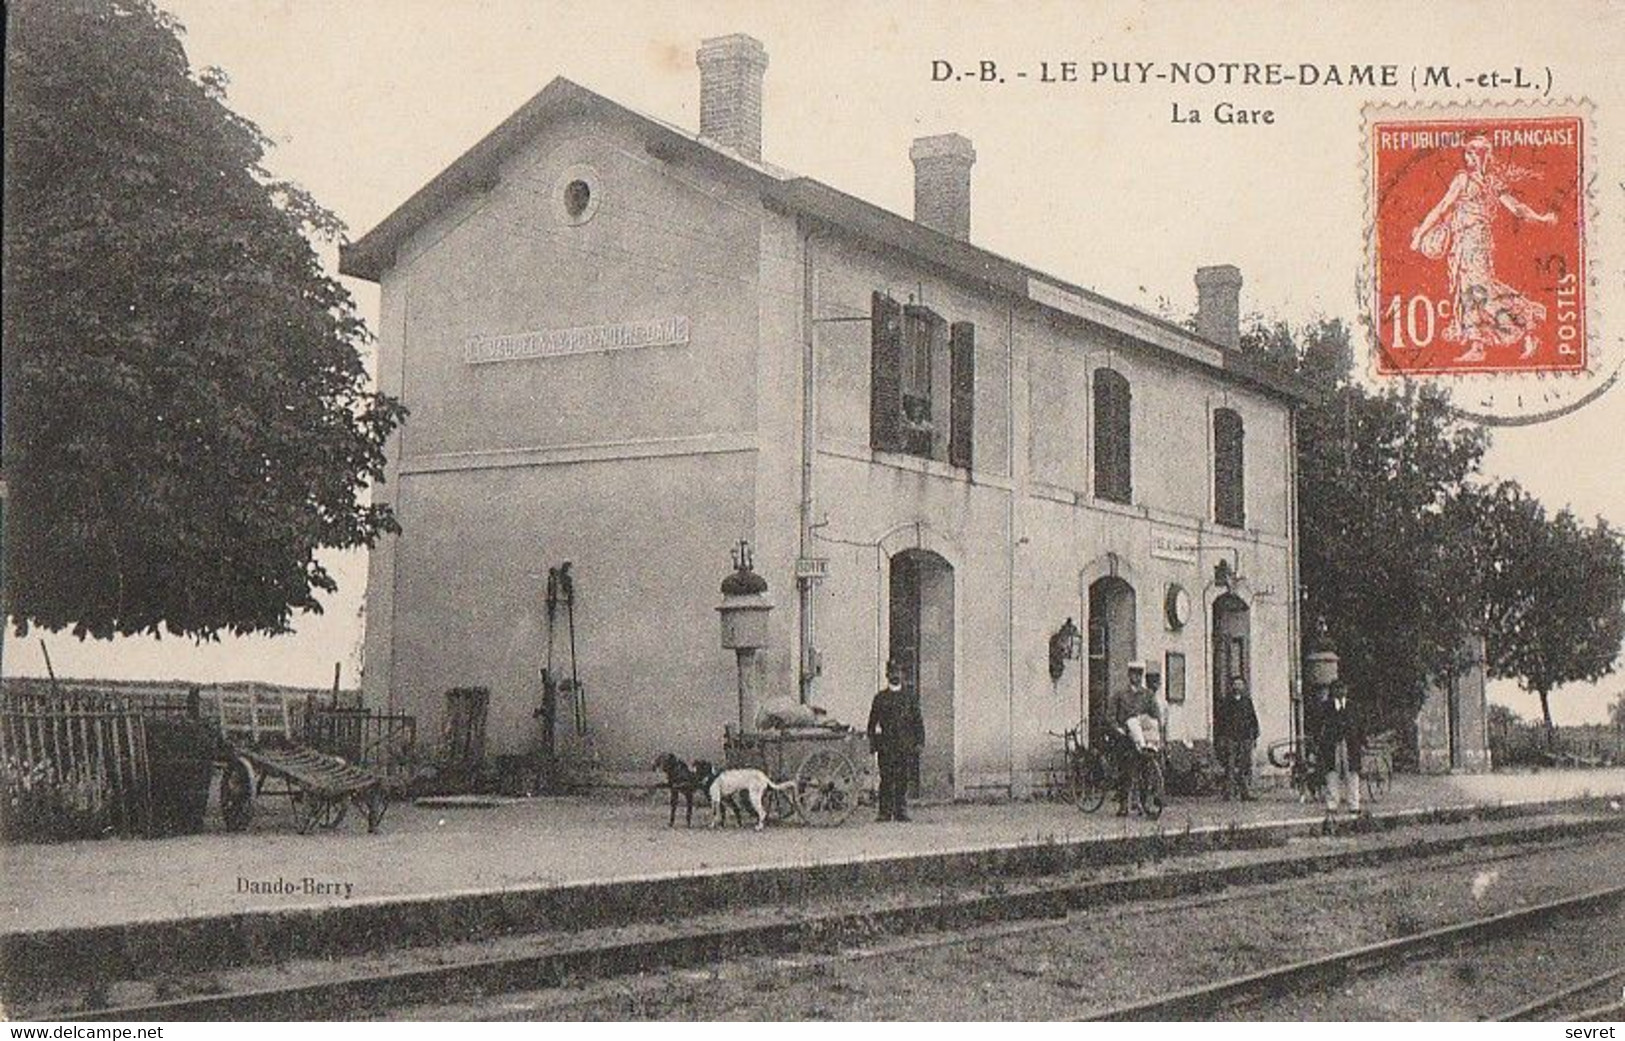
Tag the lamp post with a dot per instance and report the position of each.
(743, 614)
(1322, 662)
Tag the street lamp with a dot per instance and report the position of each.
(743, 615)
(1066, 645)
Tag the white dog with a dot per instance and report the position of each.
(729, 783)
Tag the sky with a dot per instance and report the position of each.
(366, 100)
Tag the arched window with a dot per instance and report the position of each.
(1229, 485)
(1113, 469)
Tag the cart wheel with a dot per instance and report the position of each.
(377, 804)
(334, 811)
(781, 806)
(312, 811)
(236, 794)
(826, 789)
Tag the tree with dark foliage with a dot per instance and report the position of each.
(1405, 553)
(1376, 473)
(188, 417)
(1551, 592)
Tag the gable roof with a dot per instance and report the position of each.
(477, 169)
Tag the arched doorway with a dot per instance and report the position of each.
(922, 640)
(1111, 646)
(1232, 650)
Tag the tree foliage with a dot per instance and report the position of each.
(188, 415)
(1406, 552)
(1377, 472)
(1500, 717)
(1551, 591)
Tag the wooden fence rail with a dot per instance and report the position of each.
(382, 742)
(93, 751)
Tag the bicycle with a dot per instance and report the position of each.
(1303, 772)
(1085, 777)
(1148, 787)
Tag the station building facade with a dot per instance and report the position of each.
(629, 346)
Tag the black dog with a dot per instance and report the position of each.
(685, 781)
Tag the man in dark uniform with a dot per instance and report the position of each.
(896, 733)
(1235, 730)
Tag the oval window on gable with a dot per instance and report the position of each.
(577, 194)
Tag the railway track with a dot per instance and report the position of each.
(1203, 1002)
(1595, 999)
(1008, 930)
(942, 920)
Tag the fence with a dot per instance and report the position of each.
(89, 753)
(1525, 744)
(384, 743)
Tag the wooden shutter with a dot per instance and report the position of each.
(1229, 487)
(962, 413)
(1113, 450)
(885, 373)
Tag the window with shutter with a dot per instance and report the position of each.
(1229, 486)
(885, 374)
(962, 420)
(923, 334)
(1113, 458)
(924, 338)
(917, 364)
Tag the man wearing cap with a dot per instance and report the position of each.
(1132, 709)
(896, 733)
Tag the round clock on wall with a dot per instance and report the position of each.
(1177, 606)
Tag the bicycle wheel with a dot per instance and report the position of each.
(1149, 788)
(1064, 782)
(1283, 755)
(1092, 783)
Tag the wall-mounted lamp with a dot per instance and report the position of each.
(1066, 645)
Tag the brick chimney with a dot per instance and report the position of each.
(1218, 304)
(942, 183)
(731, 70)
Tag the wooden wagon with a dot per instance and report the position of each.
(321, 787)
(829, 767)
(258, 748)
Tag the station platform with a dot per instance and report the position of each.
(521, 846)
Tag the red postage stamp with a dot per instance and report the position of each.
(1478, 242)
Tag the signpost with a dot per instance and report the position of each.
(812, 569)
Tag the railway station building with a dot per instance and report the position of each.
(629, 346)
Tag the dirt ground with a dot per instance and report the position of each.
(1100, 958)
(539, 842)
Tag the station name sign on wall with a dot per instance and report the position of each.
(1177, 548)
(590, 339)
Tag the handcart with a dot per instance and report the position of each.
(257, 747)
(828, 765)
(321, 787)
